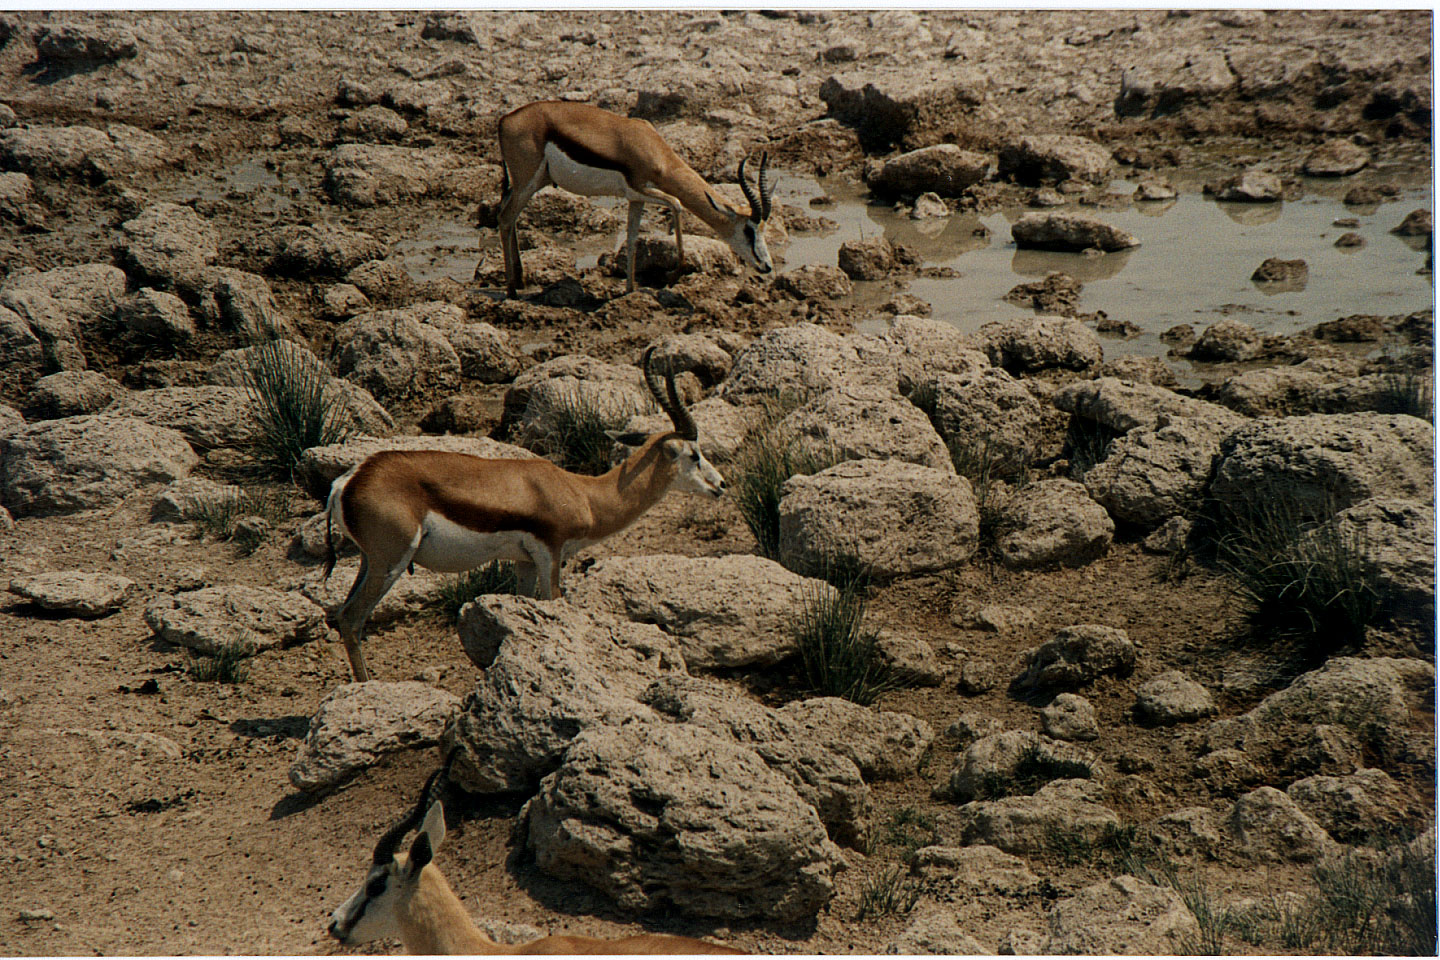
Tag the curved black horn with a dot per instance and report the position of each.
(755, 204)
(766, 187)
(390, 842)
(671, 402)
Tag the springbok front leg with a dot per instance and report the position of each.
(632, 236)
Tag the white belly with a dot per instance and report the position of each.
(576, 177)
(450, 548)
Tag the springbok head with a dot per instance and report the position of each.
(747, 236)
(694, 473)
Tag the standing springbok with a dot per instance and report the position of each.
(597, 153)
(452, 512)
(408, 898)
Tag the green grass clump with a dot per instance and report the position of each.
(293, 409)
(762, 465)
(220, 517)
(889, 893)
(576, 432)
(909, 829)
(229, 664)
(838, 654)
(1300, 576)
(496, 577)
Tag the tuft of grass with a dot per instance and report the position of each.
(577, 432)
(1086, 444)
(496, 577)
(293, 409)
(219, 517)
(760, 468)
(1408, 386)
(978, 461)
(1297, 574)
(229, 664)
(909, 829)
(890, 893)
(837, 652)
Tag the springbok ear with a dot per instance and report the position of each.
(629, 439)
(431, 835)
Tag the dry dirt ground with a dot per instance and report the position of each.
(111, 846)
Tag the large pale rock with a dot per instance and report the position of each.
(70, 393)
(207, 416)
(1352, 809)
(887, 106)
(43, 315)
(1335, 158)
(1053, 522)
(944, 169)
(1269, 826)
(872, 258)
(549, 671)
(78, 463)
(991, 416)
(156, 316)
(660, 815)
(211, 619)
(1250, 186)
(319, 466)
(1069, 717)
(1151, 475)
(58, 152)
(1015, 762)
(1173, 697)
(935, 934)
(1077, 655)
(396, 353)
(1394, 542)
(826, 779)
(884, 744)
(798, 358)
(1370, 701)
(979, 869)
(85, 43)
(1026, 826)
(657, 257)
(868, 422)
(896, 518)
(917, 349)
(1028, 344)
(1122, 405)
(1227, 341)
(815, 281)
(1069, 231)
(1326, 462)
(1187, 832)
(75, 593)
(168, 246)
(237, 300)
(358, 723)
(730, 611)
(617, 384)
(1121, 916)
(1053, 158)
(370, 175)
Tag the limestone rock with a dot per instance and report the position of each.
(211, 619)
(1028, 344)
(868, 422)
(78, 463)
(944, 169)
(1353, 809)
(896, 518)
(357, 723)
(1069, 717)
(168, 246)
(1026, 826)
(1054, 158)
(801, 357)
(1173, 697)
(207, 416)
(1335, 158)
(935, 934)
(1077, 656)
(1149, 476)
(70, 393)
(75, 593)
(990, 415)
(1122, 405)
(1015, 762)
(1268, 826)
(1069, 231)
(1053, 522)
(723, 834)
(1122, 915)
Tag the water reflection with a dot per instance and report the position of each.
(1251, 214)
(1086, 268)
(1154, 208)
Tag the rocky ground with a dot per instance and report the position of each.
(1095, 749)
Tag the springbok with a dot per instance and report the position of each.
(597, 153)
(408, 898)
(451, 512)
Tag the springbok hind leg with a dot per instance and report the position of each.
(366, 593)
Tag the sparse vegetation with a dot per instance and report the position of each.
(576, 432)
(889, 893)
(221, 516)
(909, 829)
(761, 467)
(496, 577)
(979, 462)
(229, 664)
(293, 408)
(837, 651)
(1086, 444)
(1408, 386)
(1298, 574)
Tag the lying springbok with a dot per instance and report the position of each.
(597, 153)
(451, 512)
(407, 898)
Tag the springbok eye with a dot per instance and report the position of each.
(375, 887)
